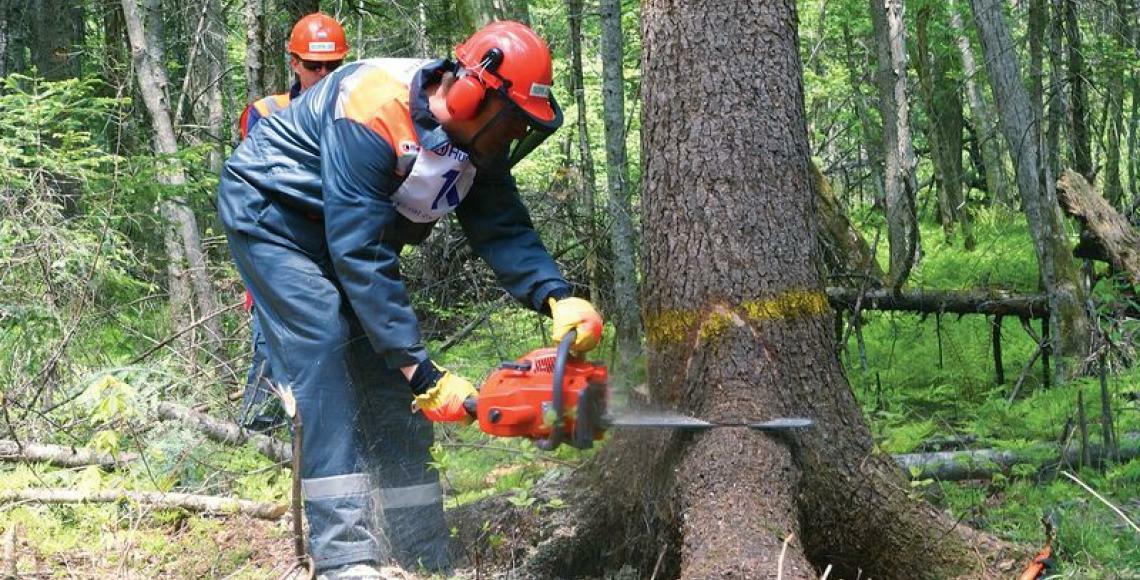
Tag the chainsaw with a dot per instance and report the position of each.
(552, 397)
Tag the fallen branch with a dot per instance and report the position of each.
(1120, 513)
(984, 463)
(939, 301)
(225, 431)
(60, 455)
(196, 503)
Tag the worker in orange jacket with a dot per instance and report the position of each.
(317, 205)
(317, 46)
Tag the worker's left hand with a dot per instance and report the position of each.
(576, 314)
(440, 393)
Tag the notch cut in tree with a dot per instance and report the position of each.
(738, 328)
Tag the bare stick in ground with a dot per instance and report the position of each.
(196, 503)
(303, 567)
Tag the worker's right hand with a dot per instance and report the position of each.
(440, 394)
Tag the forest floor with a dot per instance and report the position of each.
(919, 379)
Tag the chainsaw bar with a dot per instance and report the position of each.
(686, 423)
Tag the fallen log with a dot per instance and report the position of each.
(984, 463)
(1110, 237)
(225, 431)
(206, 504)
(992, 302)
(60, 455)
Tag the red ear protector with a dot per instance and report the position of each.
(465, 96)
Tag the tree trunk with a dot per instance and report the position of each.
(1038, 194)
(57, 38)
(944, 113)
(253, 16)
(900, 184)
(478, 13)
(7, 20)
(872, 146)
(1134, 116)
(625, 314)
(586, 175)
(1120, 32)
(738, 327)
(190, 286)
(1078, 102)
(985, 131)
(1056, 107)
(17, 27)
(214, 58)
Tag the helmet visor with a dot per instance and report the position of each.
(509, 136)
(537, 132)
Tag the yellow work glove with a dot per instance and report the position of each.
(576, 314)
(440, 394)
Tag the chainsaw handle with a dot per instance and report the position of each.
(556, 388)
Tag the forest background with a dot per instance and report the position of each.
(121, 311)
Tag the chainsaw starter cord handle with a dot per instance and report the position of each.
(560, 358)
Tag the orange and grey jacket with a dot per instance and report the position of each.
(265, 107)
(362, 151)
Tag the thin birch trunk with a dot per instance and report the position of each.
(622, 237)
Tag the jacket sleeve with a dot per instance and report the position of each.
(357, 171)
(499, 228)
(249, 118)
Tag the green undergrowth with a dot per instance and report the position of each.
(928, 378)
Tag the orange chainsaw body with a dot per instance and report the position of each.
(518, 400)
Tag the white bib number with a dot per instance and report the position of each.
(439, 180)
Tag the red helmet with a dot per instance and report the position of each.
(510, 57)
(318, 36)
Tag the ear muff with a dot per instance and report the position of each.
(465, 96)
(467, 93)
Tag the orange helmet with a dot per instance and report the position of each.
(510, 57)
(318, 36)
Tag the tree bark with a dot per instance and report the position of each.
(900, 182)
(625, 316)
(1058, 270)
(586, 174)
(986, 132)
(189, 282)
(738, 327)
(195, 503)
(1078, 102)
